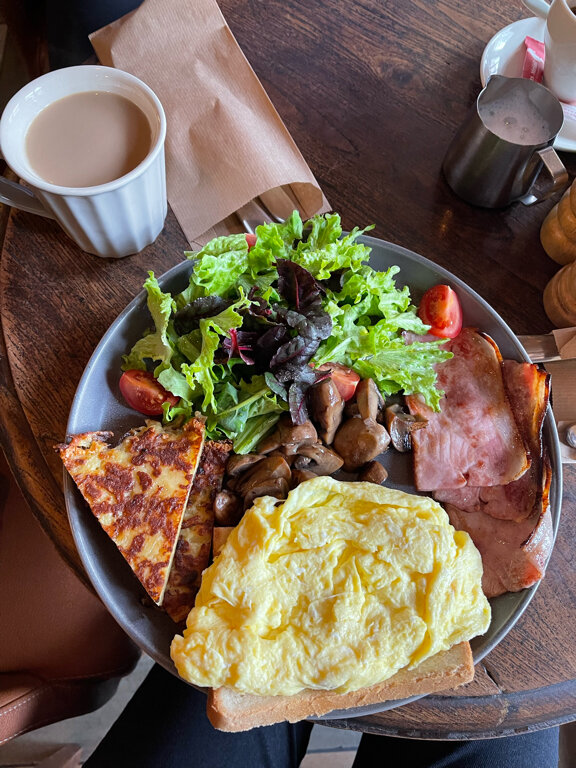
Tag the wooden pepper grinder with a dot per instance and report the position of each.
(558, 231)
(560, 297)
(558, 238)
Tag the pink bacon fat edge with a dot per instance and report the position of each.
(473, 440)
(514, 554)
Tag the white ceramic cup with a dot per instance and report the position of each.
(560, 45)
(111, 220)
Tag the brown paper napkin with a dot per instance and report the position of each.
(563, 378)
(225, 143)
(566, 342)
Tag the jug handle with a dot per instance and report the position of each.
(539, 7)
(558, 181)
(21, 197)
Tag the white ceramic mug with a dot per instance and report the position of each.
(560, 45)
(114, 219)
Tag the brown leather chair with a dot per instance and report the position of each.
(61, 653)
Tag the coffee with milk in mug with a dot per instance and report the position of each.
(87, 139)
(88, 143)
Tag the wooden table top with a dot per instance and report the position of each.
(372, 94)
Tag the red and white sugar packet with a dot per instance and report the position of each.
(533, 68)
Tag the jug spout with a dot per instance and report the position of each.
(495, 87)
(492, 88)
(493, 79)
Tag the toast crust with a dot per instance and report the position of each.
(231, 711)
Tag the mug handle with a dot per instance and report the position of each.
(557, 182)
(17, 196)
(539, 7)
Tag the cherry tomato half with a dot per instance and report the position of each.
(144, 393)
(346, 379)
(440, 309)
(251, 239)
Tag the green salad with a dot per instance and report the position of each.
(245, 339)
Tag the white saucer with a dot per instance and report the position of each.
(504, 55)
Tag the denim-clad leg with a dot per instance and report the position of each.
(164, 725)
(530, 750)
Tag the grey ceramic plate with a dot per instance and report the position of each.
(99, 405)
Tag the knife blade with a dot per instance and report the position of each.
(546, 347)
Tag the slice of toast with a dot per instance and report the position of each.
(231, 711)
(219, 537)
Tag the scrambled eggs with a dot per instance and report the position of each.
(338, 587)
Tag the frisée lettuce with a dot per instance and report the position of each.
(243, 341)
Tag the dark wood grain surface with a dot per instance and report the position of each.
(372, 93)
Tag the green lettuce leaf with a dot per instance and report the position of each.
(200, 373)
(156, 345)
(246, 412)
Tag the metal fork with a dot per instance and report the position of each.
(274, 205)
